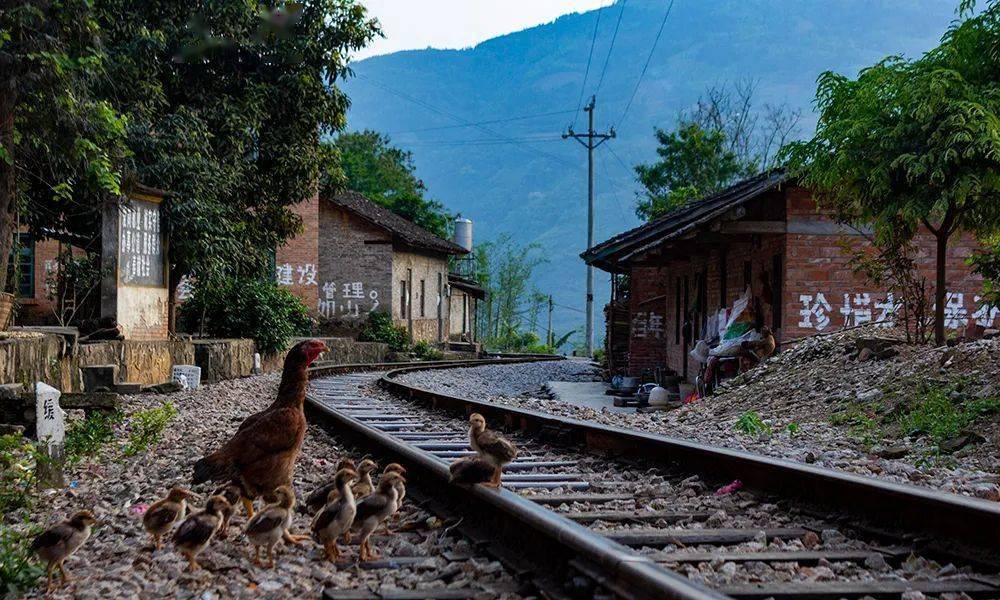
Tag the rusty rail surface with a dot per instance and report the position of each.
(947, 519)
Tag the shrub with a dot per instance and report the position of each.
(86, 437)
(146, 427)
(255, 308)
(750, 423)
(18, 573)
(425, 351)
(379, 328)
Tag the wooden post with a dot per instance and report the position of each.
(50, 428)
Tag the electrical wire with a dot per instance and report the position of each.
(646, 65)
(607, 58)
(521, 118)
(586, 73)
(464, 121)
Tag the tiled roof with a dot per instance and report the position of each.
(405, 231)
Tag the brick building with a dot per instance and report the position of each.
(355, 257)
(767, 234)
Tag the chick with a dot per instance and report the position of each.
(59, 542)
(400, 489)
(318, 498)
(493, 447)
(337, 516)
(271, 525)
(194, 534)
(374, 510)
(233, 493)
(471, 470)
(162, 515)
(364, 486)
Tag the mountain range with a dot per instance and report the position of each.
(484, 123)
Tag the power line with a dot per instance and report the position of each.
(620, 161)
(586, 73)
(568, 307)
(646, 66)
(614, 194)
(607, 58)
(521, 118)
(464, 121)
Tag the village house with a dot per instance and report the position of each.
(766, 234)
(355, 257)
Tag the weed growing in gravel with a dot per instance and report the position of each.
(425, 351)
(793, 429)
(750, 423)
(934, 413)
(18, 457)
(18, 573)
(86, 437)
(146, 427)
(865, 426)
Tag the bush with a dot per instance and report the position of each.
(146, 427)
(18, 573)
(86, 437)
(425, 351)
(255, 308)
(379, 328)
(18, 457)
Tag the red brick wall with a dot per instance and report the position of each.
(823, 294)
(297, 262)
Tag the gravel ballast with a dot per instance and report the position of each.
(118, 562)
(820, 382)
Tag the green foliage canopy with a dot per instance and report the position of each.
(912, 143)
(692, 162)
(385, 174)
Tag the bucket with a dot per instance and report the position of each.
(6, 309)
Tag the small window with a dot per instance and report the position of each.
(423, 295)
(402, 298)
(21, 267)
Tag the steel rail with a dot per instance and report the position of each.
(613, 565)
(945, 517)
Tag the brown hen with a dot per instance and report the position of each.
(261, 454)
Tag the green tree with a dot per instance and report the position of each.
(227, 102)
(693, 162)
(370, 164)
(504, 269)
(913, 143)
(61, 147)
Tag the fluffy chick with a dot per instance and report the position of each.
(375, 509)
(194, 534)
(271, 525)
(471, 470)
(336, 517)
(233, 493)
(364, 486)
(162, 515)
(318, 498)
(59, 542)
(491, 446)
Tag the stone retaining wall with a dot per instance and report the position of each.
(49, 358)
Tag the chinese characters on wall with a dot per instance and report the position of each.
(852, 309)
(344, 300)
(140, 248)
(647, 325)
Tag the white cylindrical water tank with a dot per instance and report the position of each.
(463, 233)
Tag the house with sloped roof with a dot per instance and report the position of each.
(355, 257)
(766, 235)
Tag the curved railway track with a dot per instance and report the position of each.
(580, 519)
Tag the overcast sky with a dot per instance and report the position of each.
(417, 24)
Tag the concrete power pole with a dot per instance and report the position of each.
(550, 337)
(590, 141)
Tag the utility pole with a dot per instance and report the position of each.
(593, 140)
(549, 338)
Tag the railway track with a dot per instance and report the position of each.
(580, 524)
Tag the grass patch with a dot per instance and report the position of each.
(146, 427)
(864, 426)
(86, 437)
(18, 573)
(18, 457)
(750, 423)
(935, 414)
(425, 351)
